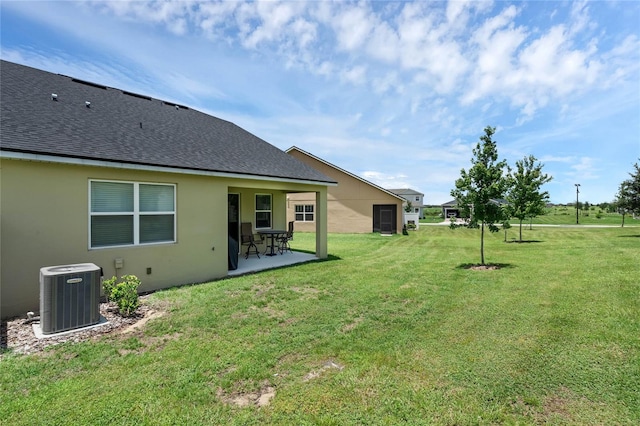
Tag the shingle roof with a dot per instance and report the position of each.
(405, 191)
(308, 154)
(124, 127)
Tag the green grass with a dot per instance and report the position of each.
(593, 216)
(561, 215)
(419, 338)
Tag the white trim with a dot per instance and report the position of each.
(136, 214)
(256, 211)
(164, 169)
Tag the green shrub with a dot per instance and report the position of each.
(124, 294)
(107, 286)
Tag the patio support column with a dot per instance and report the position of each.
(321, 223)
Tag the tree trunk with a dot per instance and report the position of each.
(520, 230)
(622, 220)
(482, 245)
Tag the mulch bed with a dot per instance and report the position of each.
(17, 335)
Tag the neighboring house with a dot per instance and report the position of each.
(354, 206)
(450, 209)
(414, 197)
(130, 183)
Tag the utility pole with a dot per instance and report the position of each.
(577, 192)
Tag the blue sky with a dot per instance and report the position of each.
(395, 92)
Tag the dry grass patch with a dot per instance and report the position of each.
(260, 398)
(352, 325)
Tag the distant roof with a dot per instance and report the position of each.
(405, 191)
(50, 114)
(308, 154)
(498, 201)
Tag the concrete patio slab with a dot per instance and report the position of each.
(253, 264)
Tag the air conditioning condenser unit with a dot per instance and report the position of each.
(69, 297)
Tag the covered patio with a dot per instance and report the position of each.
(253, 264)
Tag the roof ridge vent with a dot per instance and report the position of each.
(136, 95)
(177, 106)
(88, 83)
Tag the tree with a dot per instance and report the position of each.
(524, 197)
(479, 190)
(409, 207)
(628, 197)
(622, 200)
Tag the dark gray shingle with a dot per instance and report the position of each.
(123, 127)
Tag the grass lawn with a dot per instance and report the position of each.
(559, 215)
(390, 330)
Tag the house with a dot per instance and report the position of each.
(353, 206)
(415, 198)
(133, 184)
(450, 209)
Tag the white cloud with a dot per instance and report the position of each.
(213, 18)
(388, 82)
(272, 22)
(352, 25)
(354, 75)
(583, 169)
(386, 180)
(173, 15)
(384, 43)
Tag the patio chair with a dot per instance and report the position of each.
(283, 240)
(248, 239)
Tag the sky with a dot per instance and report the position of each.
(396, 92)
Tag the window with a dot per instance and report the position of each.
(131, 213)
(263, 211)
(417, 198)
(304, 212)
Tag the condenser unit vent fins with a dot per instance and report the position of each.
(69, 297)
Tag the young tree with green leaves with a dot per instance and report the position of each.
(479, 190)
(524, 197)
(628, 197)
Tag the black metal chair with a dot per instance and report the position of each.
(283, 240)
(248, 239)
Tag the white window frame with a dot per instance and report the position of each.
(136, 214)
(307, 209)
(256, 211)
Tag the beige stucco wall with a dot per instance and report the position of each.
(349, 204)
(44, 211)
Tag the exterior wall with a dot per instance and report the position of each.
(412, 217)
(417, 205)
(44, 210)
(349, 204)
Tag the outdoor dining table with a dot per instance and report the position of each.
(272, 234)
